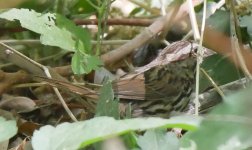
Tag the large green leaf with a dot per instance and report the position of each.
(228, 126)
(81, 134)
(158, 140)
(7, 129)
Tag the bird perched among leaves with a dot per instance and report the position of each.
(156, 89)
(162, 86)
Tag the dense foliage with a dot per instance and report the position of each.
(87, 44)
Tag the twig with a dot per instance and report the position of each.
(199, 57)
(193, 20)
(213, 83)
(28, 85)
(32, 41)
(236, 36)
(221, 44)
(116, 21)
(56, 90)
(211, 98)
(39, 60)
(162, 7)
(161, 24)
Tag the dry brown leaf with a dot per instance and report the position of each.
(17, 103)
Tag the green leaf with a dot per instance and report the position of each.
(81, 36)
(7, 129)
(77, 64)
(43, 24)
(246, 21)
(56, 30)
(37, 5)
(81, 134)
(214, 66)
(84, 7)
(130, 140)
(107, 105)
(159, 140)
(136, 11)
(228, 126)
(220, 21)
(91, 62)
(84, 63)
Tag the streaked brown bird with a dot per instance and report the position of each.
(156, 89)
(162, 86)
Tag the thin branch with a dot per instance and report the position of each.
(236, 38)
(124, 21)
(193, 20)
(56, 90)
(213, 83)
(161, 24)
(33, 41)
(196, 34)
(116, 21)
(200, 57)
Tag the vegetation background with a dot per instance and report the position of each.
(85, 40)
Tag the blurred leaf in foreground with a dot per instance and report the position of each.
(81, 134)
(228, 126)
(246, 22)
(7, 129)
(158, 139)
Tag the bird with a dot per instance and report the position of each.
(159, 90)
(162, 86)
(156, 89)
